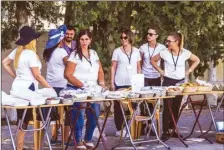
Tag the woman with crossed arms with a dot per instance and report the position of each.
(175, 72)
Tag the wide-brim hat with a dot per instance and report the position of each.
(27, 34)
(55, 36)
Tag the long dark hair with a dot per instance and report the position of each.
(78, 47)
(48, 52)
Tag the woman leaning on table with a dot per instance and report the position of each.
(125, 63)
(175, 72)
(82, 69)
(27, 66)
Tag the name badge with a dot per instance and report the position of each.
(91, 70)
(129, 67)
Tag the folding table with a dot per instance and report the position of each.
(151, 117)
(201, 103)
(36, 128)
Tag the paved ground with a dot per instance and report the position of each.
(185, 124)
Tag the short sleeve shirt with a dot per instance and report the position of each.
(86, 70)
(56, 68)
(170, 71)
(27, 59)
(125, 69)
(148, 52)
(24, 77)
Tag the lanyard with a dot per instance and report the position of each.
(175, 63)
(87, 58)
(152, 52)
(129, 58)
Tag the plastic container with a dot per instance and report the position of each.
(190, 89)
(53, 101)
(204, 89)
(174, 93)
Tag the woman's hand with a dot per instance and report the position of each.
(162, 72)
(113, 87)
(187, 73)
(6, 64)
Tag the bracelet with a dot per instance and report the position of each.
(190, 70)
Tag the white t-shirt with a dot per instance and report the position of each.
(170, 71)
(85, 72)
(147, 69)
(56, 68)
(24, 77)
(124, 70)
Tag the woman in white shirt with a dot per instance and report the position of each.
(174, 60)
(56, 57)
(82, 69)
(125, 63)
(27, 66)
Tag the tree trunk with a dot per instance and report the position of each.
(21, 14)
(212, 72)
(212, 98)
(68, 12)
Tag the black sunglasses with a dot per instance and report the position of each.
(151, 34)
(168, 41)
(123, 37)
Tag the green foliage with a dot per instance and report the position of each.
(200, 22)
(36, 10)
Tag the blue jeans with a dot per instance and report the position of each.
(91, 120)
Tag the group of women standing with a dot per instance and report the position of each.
(128, 60)
(81, 67)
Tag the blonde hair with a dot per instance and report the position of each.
(30, 46)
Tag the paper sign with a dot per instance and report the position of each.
(137, 82)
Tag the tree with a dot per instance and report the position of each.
(16, 14)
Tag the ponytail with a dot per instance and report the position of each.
(179, 37)
(181, 41)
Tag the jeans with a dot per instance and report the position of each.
(91, 120)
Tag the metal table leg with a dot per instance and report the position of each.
(101, 130)
(197, 116)
(213, 116)
(151, 117)
(38, 129)
(175, 125)
(10, 131)
(152, 122)
(47, 123)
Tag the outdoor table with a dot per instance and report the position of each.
(36, 124)
(201, 104)
(98, 125)
(46, 122)
(151, 117)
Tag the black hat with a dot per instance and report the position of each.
(27, 34)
